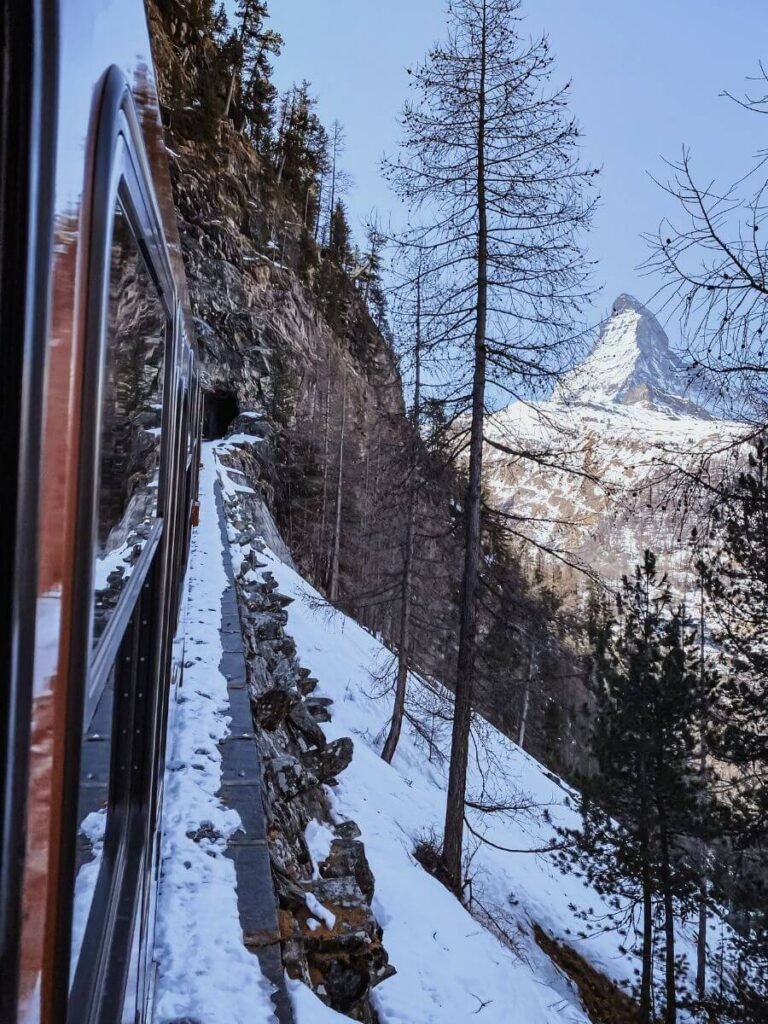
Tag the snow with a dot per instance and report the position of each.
(106, 563)
(447, 963)
(205, 972)
(243, 438)
(603, 446)
(93, 827)
(632, 350)
(317, 910)
(47, 630)
(308, 1009)
(319, 838)
(451, 969)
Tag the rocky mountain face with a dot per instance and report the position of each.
(591, 469)
(630, 364)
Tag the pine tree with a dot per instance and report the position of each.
(412, 483)
(736, 580)
(251, 93)
(340, 248)
(302, 143)
(644, 803)
(734, 568)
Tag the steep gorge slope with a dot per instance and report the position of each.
(599, 481)
(519, 950)
(287, 341)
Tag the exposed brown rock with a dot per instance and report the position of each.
(603, 1000)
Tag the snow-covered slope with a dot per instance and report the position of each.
(451, 969)
(590, 469)
(448, 965)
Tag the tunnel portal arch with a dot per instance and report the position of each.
(220, 408)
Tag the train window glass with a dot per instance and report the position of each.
(93, 796)
(130, 1010)
(130, 420)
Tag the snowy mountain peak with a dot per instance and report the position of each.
(630, 364)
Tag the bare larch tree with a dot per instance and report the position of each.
(489, 169)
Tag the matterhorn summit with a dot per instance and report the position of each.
(581, 471)
(631, 364)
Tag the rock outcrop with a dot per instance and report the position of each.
(329, 934)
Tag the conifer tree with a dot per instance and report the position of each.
(644, 802)
(488, 159)
(340, 248)
(412, 483)
(734, 567)
(250, 86)
(302, 143)
(736, 580)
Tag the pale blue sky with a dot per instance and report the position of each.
(646, 78)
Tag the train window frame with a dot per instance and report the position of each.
(119, 173)
(106, 645)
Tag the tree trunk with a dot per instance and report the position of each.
(230, 93)
(701, 942)
(462, 718)
(238, 64)
(526, 697)
(646, 975)
(404, 646)
(701, 936)
(318, 213)
(670, 1016)
(321, 547)
(334, 587)
(332, 202)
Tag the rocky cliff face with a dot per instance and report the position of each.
(599, 478)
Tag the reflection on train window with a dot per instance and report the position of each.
(92, 799)
(130, 420)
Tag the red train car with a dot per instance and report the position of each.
(100, 426)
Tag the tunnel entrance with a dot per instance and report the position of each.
(220, 408)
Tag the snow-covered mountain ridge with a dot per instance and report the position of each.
(587, 470)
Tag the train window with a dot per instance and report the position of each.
(130, 420)
(129, 426)
(93, 794)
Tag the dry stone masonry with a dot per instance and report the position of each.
(329, 935)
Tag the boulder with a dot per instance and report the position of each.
(271, 709)
(307, 684)
(347, 858)
(301, 718)
(347, 958)
(318, 708)
(348, 830)
(326, 764)
(290, 777)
